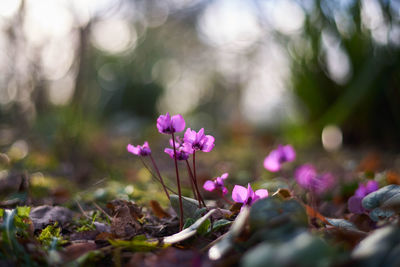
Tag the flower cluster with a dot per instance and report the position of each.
(180, 152)
(354, 203)
(308, 178)
(217, 184)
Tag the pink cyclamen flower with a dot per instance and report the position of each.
(168, 125)
(279, 156)
(181, 153)
(139, 150)
(247, 196)
(354, 203)
(217, 183)
(308, 178)
(198, 141)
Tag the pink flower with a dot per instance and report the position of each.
(279, 156)
(217, 183)
(168, 125)
(138, 150)
(354, 203)
(198, 141)
(247, 196)
(308, 178)
(181, 153)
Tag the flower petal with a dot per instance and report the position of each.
(133, 149)
(224, 190)
(178, 123)
(164, 123)
(190, 136)
(305, 176)
(239, 193)
(209, 185)
(170, 152)
(271, 162)
(224, 175)
(208, 144)
(289, 153)
(354, 205)
(261, 193)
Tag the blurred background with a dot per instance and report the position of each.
(79, 79)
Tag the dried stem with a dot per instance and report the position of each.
(178, 182)
(154, 176)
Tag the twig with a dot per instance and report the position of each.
(82, 210)
(102, 211)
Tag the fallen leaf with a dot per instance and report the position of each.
(125, 221)
(158, 210)
(44, 215)
(313, 214)
(76, 250)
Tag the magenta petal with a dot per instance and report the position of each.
(372, 186)
(190, 136)
(209, 185)
(354, 205)
(224, 190)
(163, 123)
(170, 152)
(187, 148)
(209, 143)
(178, 123)
(224, 175)
(305, 175)
(261, 193)
(250, 192)
(271, 162)
(289, 153)
(132, 149)
(239, 193)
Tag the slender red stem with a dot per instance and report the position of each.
(200, 198)
(227, 200)
(195, 179)
(178, 182)
(191, 180)
(159, 175)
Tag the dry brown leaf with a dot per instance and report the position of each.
(313, 214)
(393, 177)
(158, 210)
(125, 218)
(76, 250)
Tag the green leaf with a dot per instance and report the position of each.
(302, 250)
(203, 228)
(190, 206)
(188, 232)
(23, 211)
(383, 203)
(386, 197)
(273, 212)
(342, 223)
(380, 214)
(219, 224)
(188, 222)
(139, 244)
(51, 238)
(380, 248)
